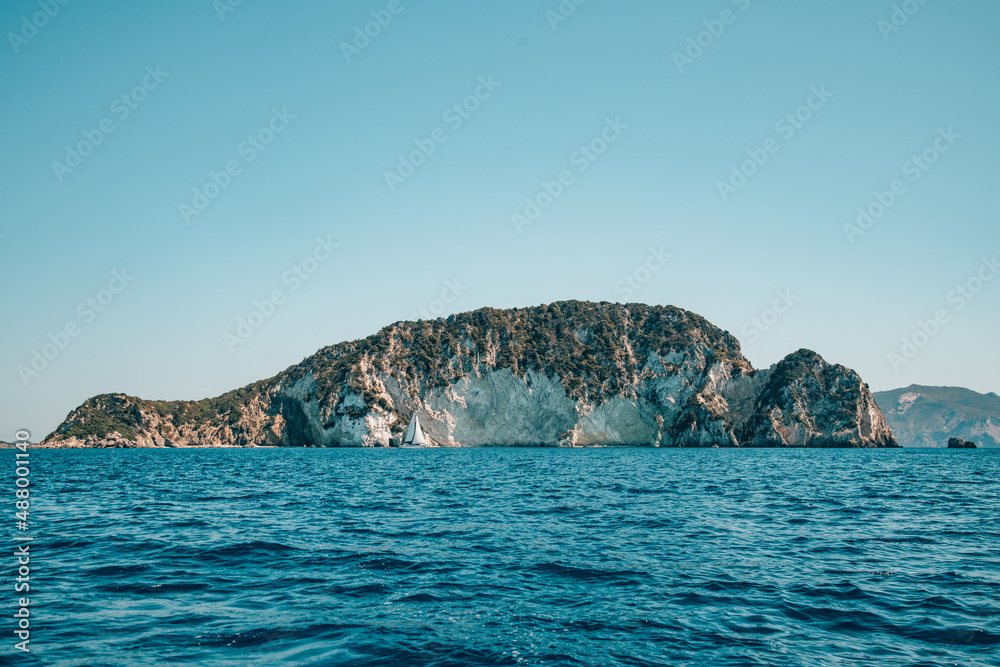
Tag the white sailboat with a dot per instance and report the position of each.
(414, 436)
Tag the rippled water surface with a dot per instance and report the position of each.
(515, 557)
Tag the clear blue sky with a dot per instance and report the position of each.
(672, 130)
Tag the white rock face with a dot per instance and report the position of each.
(498, 408)
(905, 401)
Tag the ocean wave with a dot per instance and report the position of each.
(517, 557)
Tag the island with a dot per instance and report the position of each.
(570, 373)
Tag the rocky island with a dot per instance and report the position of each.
(958, 443)
(570, 373)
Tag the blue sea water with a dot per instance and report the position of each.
(449, 557)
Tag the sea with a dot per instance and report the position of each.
(510, 556)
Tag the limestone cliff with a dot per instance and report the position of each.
(568, 373)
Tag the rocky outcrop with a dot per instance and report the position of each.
(565, 374)
(958, 443)
(814, 404)
(922, 416)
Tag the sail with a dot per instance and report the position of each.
(418, 435)
(414, 436)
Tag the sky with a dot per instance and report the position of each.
(199, 194)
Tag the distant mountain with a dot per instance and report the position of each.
(567, 373)
(927, 416)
